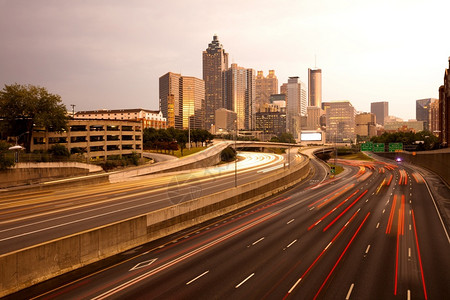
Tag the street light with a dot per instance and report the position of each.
(235, 153)
(17, 147)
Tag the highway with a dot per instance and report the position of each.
(371, 233)
(31, 218)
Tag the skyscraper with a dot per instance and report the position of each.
(182, 100)
(423, 111)
(169, 99)
(215, 61)
(381, 111)
(315, 87)
(340, 122)
(296, 104)
(265, 86)
(239, 95)
(444, 106)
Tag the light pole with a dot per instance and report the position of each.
(17, 147)
(235, 153)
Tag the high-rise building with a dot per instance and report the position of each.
(434, 118)
(283, 89)
(340, 122)
(215, 61)
(444, 109)
(423, 111)
(381, 111)
(271, 120)
(169, 99)
(296, 104)
(315, 87)
(313, 117)
(265, 86)
(182, 100)
(193, 97)
(239, 95)
(366, 125)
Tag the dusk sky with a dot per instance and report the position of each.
(110, 54)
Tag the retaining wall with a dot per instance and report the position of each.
(25, 267)
(437, 162)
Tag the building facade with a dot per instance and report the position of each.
(434, 118)
(225, 120)
(265, 87)
(149, 118)
(95, 139)
(404, 126)
(381, 111)
(169, 99)
(215, 61)
(444, 109)
(340, 117)
(240, 95)
(182, 100)
(366, 125)
(296, 103)
(313, 117)
(423, 111)
(315, 87)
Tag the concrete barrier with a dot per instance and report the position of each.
(32, 173)
(438, 162)
(25, 267)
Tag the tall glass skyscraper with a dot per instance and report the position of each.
(381, 111)
(215, 61)
(315, 87)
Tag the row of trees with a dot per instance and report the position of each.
(172, 139)
(424, 140)
(23, 107)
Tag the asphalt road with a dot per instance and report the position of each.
(372, 233)
(28, 219)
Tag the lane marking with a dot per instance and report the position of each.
(242, 282)
(254, 243)
(204, 273)
(367, 249)
(290, 221)
(409, 252)
(293, 242)
(143, 264)
(378, 225)
(349, 291)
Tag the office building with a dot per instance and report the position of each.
(225, 121)
(381, 111)
(265, 87)
(215, 61)
(169, 99)
(149, 118)
(434, 118)
(403, 126)
(182, 99)
(96, 139)
(444, 109)
(313, 117)
(366, 126)
(423, 111)
(315, 87)
(340, 122)
(239, 95)
(296, 103)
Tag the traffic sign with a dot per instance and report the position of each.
(333, 169)
(367, 146)
(395, 147)
(378, 147)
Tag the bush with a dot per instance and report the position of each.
(6, 161)
(228, 154)
(59, 150)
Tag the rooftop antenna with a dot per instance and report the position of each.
(73, 110)
(315, 61)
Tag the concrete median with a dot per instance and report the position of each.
(25, 267)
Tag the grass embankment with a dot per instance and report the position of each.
(187, 152)
(338, 168)
(356, 156)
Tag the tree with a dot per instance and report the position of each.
(24, 107)
(182, 139)
(5, 160)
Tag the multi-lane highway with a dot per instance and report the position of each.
(372, 233)
(27, 219)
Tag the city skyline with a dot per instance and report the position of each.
(110, 55)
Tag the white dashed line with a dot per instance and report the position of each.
(189, 282)
(290, 221)
(242, 282)
(349, 291)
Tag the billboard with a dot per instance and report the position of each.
(311, 136)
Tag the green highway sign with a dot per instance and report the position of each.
(368, 146)
(394, 147)
(333, 169)
(378, 147)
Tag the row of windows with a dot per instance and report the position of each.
(83, 139)
(102, 128)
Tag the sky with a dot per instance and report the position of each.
(110, 54)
